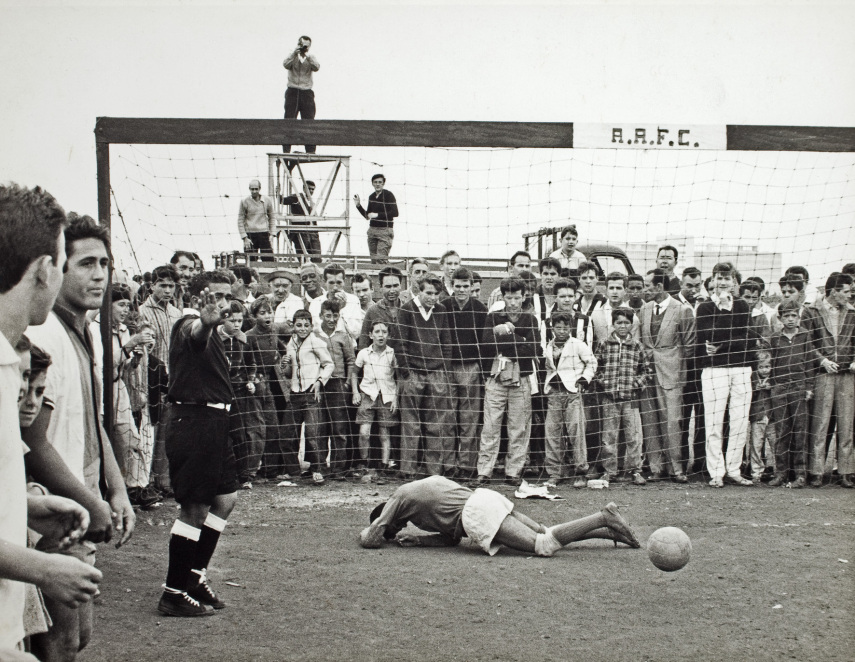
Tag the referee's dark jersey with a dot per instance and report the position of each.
(198, 373)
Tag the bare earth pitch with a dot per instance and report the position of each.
(766, 581)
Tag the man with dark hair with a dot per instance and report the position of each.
(690, 294)
(519, 262)
(350, 310)
(601, 319)
(749, 292)
(666, 259)
(724, 357)
(381, 214)
(588, 299)
(668, 335)
(792, 289)
(386, 309)
(424, 353)
(475, 290)
(299, 95)
(75, 430)
(449, 262)
(831, 324)
(550, 272)
(451, 512)
(256, 224)
(510, 349)
(241, 287)
(185, 263)
(466, 318)
(809, 291)
(301, 204)
(202, 464)
(33, 249)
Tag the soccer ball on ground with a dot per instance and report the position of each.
(669, 548)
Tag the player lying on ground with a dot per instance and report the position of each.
(450, 511)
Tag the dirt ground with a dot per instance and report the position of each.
(771, 577)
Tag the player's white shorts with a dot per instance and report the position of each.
(482, 516)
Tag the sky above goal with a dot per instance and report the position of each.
(65, 63)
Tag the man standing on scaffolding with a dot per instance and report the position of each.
(301, 204)
(255, 222)
(381, 213)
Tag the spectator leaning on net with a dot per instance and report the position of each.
(831, 324)
(381, 213)
(567, 255)
(255, 222)
(466, 318)
(299, 95)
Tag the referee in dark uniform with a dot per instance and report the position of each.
(201, 459)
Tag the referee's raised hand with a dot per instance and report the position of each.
(213, 308)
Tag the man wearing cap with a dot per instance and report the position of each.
(381, 213)
(255, 222)
(302, 204)
(451, 512)
(284, 302)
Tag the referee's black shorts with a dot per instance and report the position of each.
(201, 458)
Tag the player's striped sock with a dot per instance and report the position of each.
(182, 552)
(208, 540)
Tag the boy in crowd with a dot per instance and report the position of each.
(309, 366)
(466, 318)
(793, 376)
(565, 299)
(377, 399)
(635, 292)
(510, 348)
(724, 356)
(424, 356)
(342, 382)
(761, 440)
(588, 299)
(477, 280)
(248, 449)
(519, 262)
(792, 289)
(622, 373)
(363, 289)
(601, 319)
(749, 292)
(567, 256)
(831, 325)
(159, 311)
(350, 310)
(570, 367)
(270, 421)
(202, 463)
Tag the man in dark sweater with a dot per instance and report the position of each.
(381, 213)
(722, 353)
(424, 357)
(510, 347)
(466, 318)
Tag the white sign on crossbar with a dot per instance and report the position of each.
(649, 136)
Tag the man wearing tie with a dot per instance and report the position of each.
(668, 338)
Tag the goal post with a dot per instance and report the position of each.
(440, 134)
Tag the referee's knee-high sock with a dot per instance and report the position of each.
(182, 552)
(208, 540)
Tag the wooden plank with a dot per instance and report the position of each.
(429, 134)
(333, 132)
(790, 138)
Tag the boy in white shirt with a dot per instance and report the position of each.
(376, 397)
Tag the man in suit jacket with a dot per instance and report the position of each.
(668, 337)
(831, 324)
